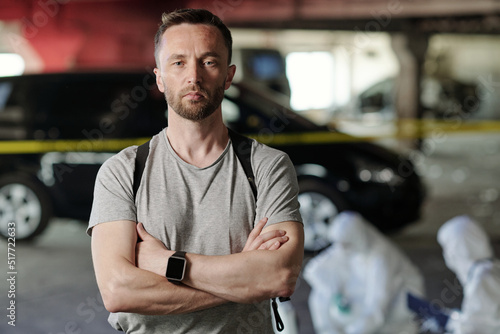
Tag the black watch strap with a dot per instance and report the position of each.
(180, 254)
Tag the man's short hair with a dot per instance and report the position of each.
(192, 16)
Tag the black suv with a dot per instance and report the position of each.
(57, 130)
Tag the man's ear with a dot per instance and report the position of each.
(159, 81)
(230, 75)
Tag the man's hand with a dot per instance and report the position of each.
(150, 253)
(270, 240)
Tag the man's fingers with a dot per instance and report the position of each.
(141, 232)
(274, 243)
(254, 234)
(264, 239)
(271, 240)
(258, 228)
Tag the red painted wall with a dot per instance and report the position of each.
(84, 35)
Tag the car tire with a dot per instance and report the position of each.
(319, 205)
(25, 202)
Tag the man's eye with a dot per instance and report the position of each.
(178, 63)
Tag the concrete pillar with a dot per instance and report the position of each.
(410, 49)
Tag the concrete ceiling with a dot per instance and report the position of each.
(464, 16)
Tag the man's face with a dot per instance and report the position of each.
(193, 70)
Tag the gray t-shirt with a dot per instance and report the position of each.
(206, 211)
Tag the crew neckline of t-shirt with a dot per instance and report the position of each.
(180, 160)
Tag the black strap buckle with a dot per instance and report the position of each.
(279, 323)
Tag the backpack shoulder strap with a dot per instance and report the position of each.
(242, 147)
(140, 163)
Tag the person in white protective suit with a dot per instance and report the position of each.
(468, 253)
(360, 283)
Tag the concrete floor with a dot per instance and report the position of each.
(56, 290)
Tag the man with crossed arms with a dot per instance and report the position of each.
(194, 197)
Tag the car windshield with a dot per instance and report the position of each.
(247, 111)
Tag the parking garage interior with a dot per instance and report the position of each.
(419, 78)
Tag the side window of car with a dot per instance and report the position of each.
(5, 91)
(12, 115)
(83, 106)
(376, 97)
(105, 107)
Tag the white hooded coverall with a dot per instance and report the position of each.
(359, 285)
(467, 252)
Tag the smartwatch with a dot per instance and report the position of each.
(176, 267)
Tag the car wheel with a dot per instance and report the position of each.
(25, 203)
(319, 205)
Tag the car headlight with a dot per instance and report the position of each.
(369, 171)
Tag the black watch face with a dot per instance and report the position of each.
(175, 268)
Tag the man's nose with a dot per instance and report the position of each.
(194, 74)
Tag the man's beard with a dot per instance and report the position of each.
(195, 110)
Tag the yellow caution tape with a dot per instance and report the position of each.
(44, 146)
(405, 129)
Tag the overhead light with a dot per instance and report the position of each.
(11, 64)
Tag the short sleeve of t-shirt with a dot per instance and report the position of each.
(113, 194)
(276, 184)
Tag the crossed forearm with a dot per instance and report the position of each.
(143, 292)
(243, 277)
(125, 287)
